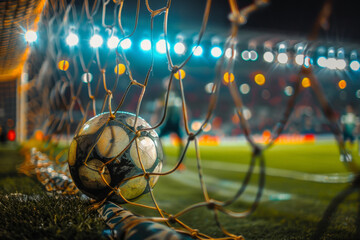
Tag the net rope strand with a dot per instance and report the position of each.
(57, 126)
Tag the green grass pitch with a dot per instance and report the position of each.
(294, 199)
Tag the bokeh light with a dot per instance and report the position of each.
(305, 82)
(259, 79)
(355, 65)
(11, 135)
(289, 91)
(245, 55)
(331, 63)
(30, 36)
(209, 88)
(253, 55)
(321, 61)
(96, 41)
(282, 58)
(161, 46)
(342, 84)
(195, 125)
(72, 39)
(299, 59)
(86, 77)
(119, 69)
(126, 43)
(182, 74)
(228, 78)
(63, 65)
(179, 48)
(216, 52)
(340, 64)
(268, 57)
(229, 52)
(244, 88)
(145, 45)
(197, 50)
(357, 93)
(113, 42)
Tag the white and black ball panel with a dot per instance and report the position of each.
(112, 141)
(155, 178)
(139, 123)
(72, 153)
(94, 175)
(143, 150)
(94, 124)
(133, 188)
(100, 141)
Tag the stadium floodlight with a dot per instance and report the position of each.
(161, 46)
(244, 88)
(282, 58)
(331, 63)
(86, 77)
(321, 61)
(357, 93)
(72, 39)
(253, 55)
(126, 43)
(229, 53)
(145, 45)
(340, 64)
(307, 61)
(197, 50)
(30, 36)
(268, 57)
(216, 52)
(179, 48)
(113, 42)
(289, 91)
(355, 65)
(245, 55)
(299, 59)
(96, 41)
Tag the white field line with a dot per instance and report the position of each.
(275, 172)
(226, 188)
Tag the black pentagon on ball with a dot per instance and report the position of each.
(106, 151)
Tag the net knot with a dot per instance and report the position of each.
(239, 238)
(175, 69)
(237, 18)
(191, 136)
(171, 218)
(194, 233)
(146, 176)
(211, 204)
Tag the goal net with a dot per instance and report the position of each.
(104, 58)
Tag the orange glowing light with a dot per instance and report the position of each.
(228, 77)
(39, 135)
(63, 65)
(119, 69)
(259, 79)
(266, 136)
(182, 74)
(306, 82)
(342, 84)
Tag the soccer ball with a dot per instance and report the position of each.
(106, 151)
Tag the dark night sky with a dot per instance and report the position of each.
(292, 17)
(284, 16)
